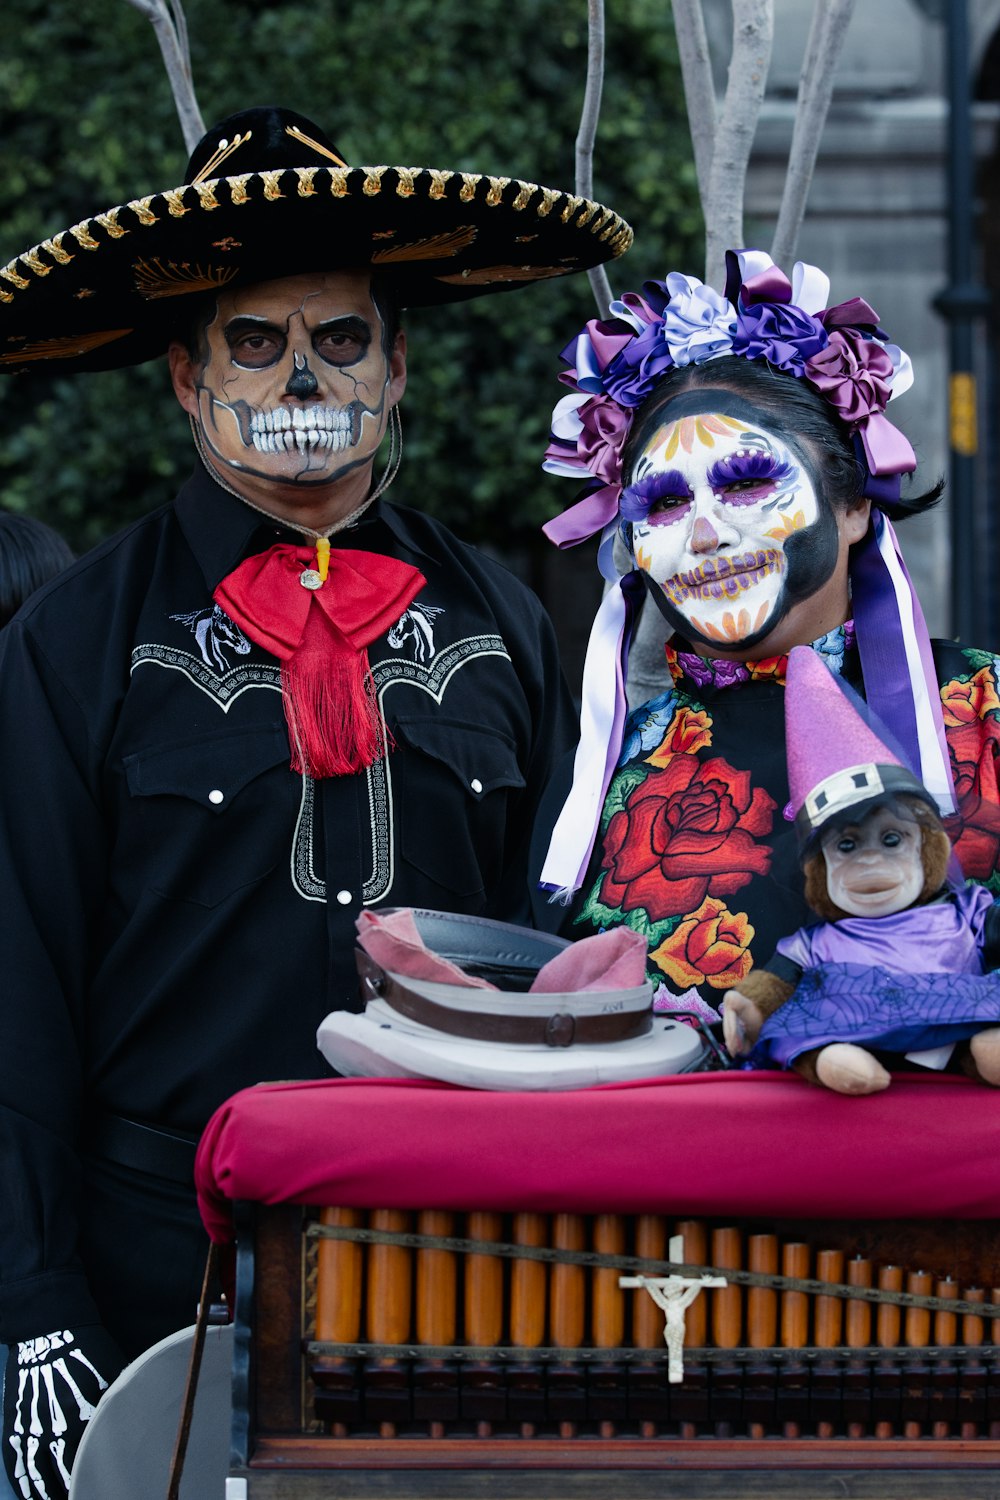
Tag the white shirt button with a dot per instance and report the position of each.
(216, 796)
(476, 784)
(344, 897)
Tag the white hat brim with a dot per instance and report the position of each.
(381, 1043)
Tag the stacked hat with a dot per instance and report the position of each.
(492, 1006)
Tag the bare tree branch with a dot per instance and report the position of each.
(826, 36)
(167, 17)
(587, 134)
(699, 88)
(753, 33)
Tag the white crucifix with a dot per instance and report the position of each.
(673, 1295)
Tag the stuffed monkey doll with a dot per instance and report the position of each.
(901, 959)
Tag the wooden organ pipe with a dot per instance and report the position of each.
(689, 1402)
(388, 1314)
(484, 1384)
(339, 1283)
(727, 1332)
(793, 1397)
(761, 1379)
(828, 1326)
(885, 1373)
(944, 1374)
(567, 1387)
(647, 1382)
(607, 1384)
(857, 1405)
(916, 1335)
(435, 1382)
(972, 1385)
(526, 1380)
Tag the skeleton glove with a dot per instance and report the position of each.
(51, 1389)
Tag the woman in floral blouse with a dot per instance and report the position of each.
(738, 445)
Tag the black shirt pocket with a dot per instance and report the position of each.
(204, 815)
(458, 783)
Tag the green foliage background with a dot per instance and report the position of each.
(87, 121)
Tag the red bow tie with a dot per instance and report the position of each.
(319, 628)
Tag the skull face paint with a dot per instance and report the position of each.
(727, 526)
(295, 384)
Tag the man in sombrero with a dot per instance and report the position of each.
(261, 709)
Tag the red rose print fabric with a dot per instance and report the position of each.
(695, 851)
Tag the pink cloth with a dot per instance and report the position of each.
(393, 941)
(739, 1144)
(614, 960)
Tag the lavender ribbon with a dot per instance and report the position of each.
(896, 660)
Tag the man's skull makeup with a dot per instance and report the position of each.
(727, 524)
(294, 383)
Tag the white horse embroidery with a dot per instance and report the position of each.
(215, 633)
(414, 628)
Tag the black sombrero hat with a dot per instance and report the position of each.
(267, 195)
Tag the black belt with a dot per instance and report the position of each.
(143, 1148)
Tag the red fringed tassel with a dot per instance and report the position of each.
(334, 722)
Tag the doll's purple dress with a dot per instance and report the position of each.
(900, 983)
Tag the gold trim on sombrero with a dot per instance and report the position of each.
(305, 176)
(64, 348)
(222, 152)
(54, 247)
(109, 223)
(140, 207)
(431, 248)
(404, 181)
(373, 181)
(496, 188)
(338, 181)
(12, 274)
(270, 179)
(307, 140)
(206, 193)
(81, 233)
(174, 199)
(550, 197)
(439, 180)
(238, 188)
(484, 275)
(157, 278)
(31, 259)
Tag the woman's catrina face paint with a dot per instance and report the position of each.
(727, 525)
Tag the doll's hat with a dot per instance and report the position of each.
(267, 195)
(457, 998)
(838, 764)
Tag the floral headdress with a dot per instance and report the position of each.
(844, 355)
